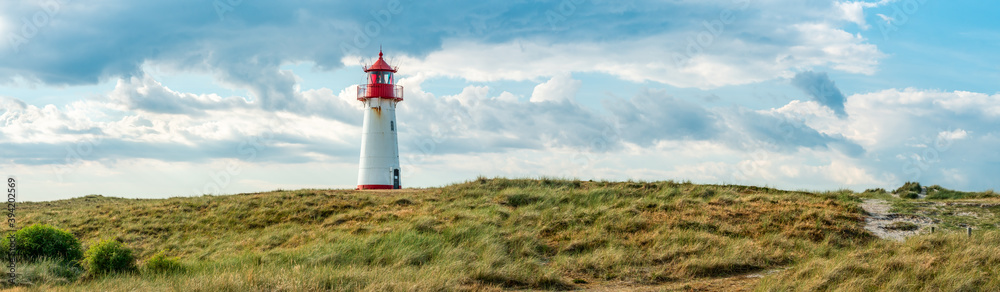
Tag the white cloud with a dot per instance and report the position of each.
(824, 45)
(562, 87)
(964, 102)
(729, 60)
(141, 118)
(886, 18)
(479, 131)
(956, 134)
(24, 123)
(854, 11)
(762, 41)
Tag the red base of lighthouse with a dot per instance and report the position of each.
(374, 187)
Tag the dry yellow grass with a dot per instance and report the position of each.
(481, 235)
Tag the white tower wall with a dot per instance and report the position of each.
(379, 167)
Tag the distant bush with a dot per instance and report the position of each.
(160, 263)
(909, 190)
(108, 256)
(876, 191)
(43, 241)
(939, 193)
(909, 187)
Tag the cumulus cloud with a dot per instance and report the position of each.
(914, 134)
(853, 11)
(142, 119)
(246, 45)
(891, 136)
(741, 58)
(142, 93)
(475, 121)
(561, 87)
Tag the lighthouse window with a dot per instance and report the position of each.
(392, 125)
(381, 77)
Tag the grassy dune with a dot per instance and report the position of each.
(937, 262)
(488, 234)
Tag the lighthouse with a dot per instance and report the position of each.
(379, 167)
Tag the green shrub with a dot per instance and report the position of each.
(909, 187)
(876, 191)
(108, 256)
(160, 263)
(43, 241)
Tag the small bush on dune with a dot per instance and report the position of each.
(160, 263)
(909, 190)
(108, 256)
(909, 187)
(44, 241)
(876, 191)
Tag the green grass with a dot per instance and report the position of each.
(937, 192)
(485, 234)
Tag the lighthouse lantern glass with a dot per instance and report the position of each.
(379, 77)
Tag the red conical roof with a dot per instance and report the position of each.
(380, 65)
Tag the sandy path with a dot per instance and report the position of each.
(879, 218)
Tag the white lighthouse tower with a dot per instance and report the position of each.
(379, 167)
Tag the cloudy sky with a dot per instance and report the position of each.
(187, 97)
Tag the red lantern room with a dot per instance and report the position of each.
(381, 82)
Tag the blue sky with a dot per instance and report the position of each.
(183, 98)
